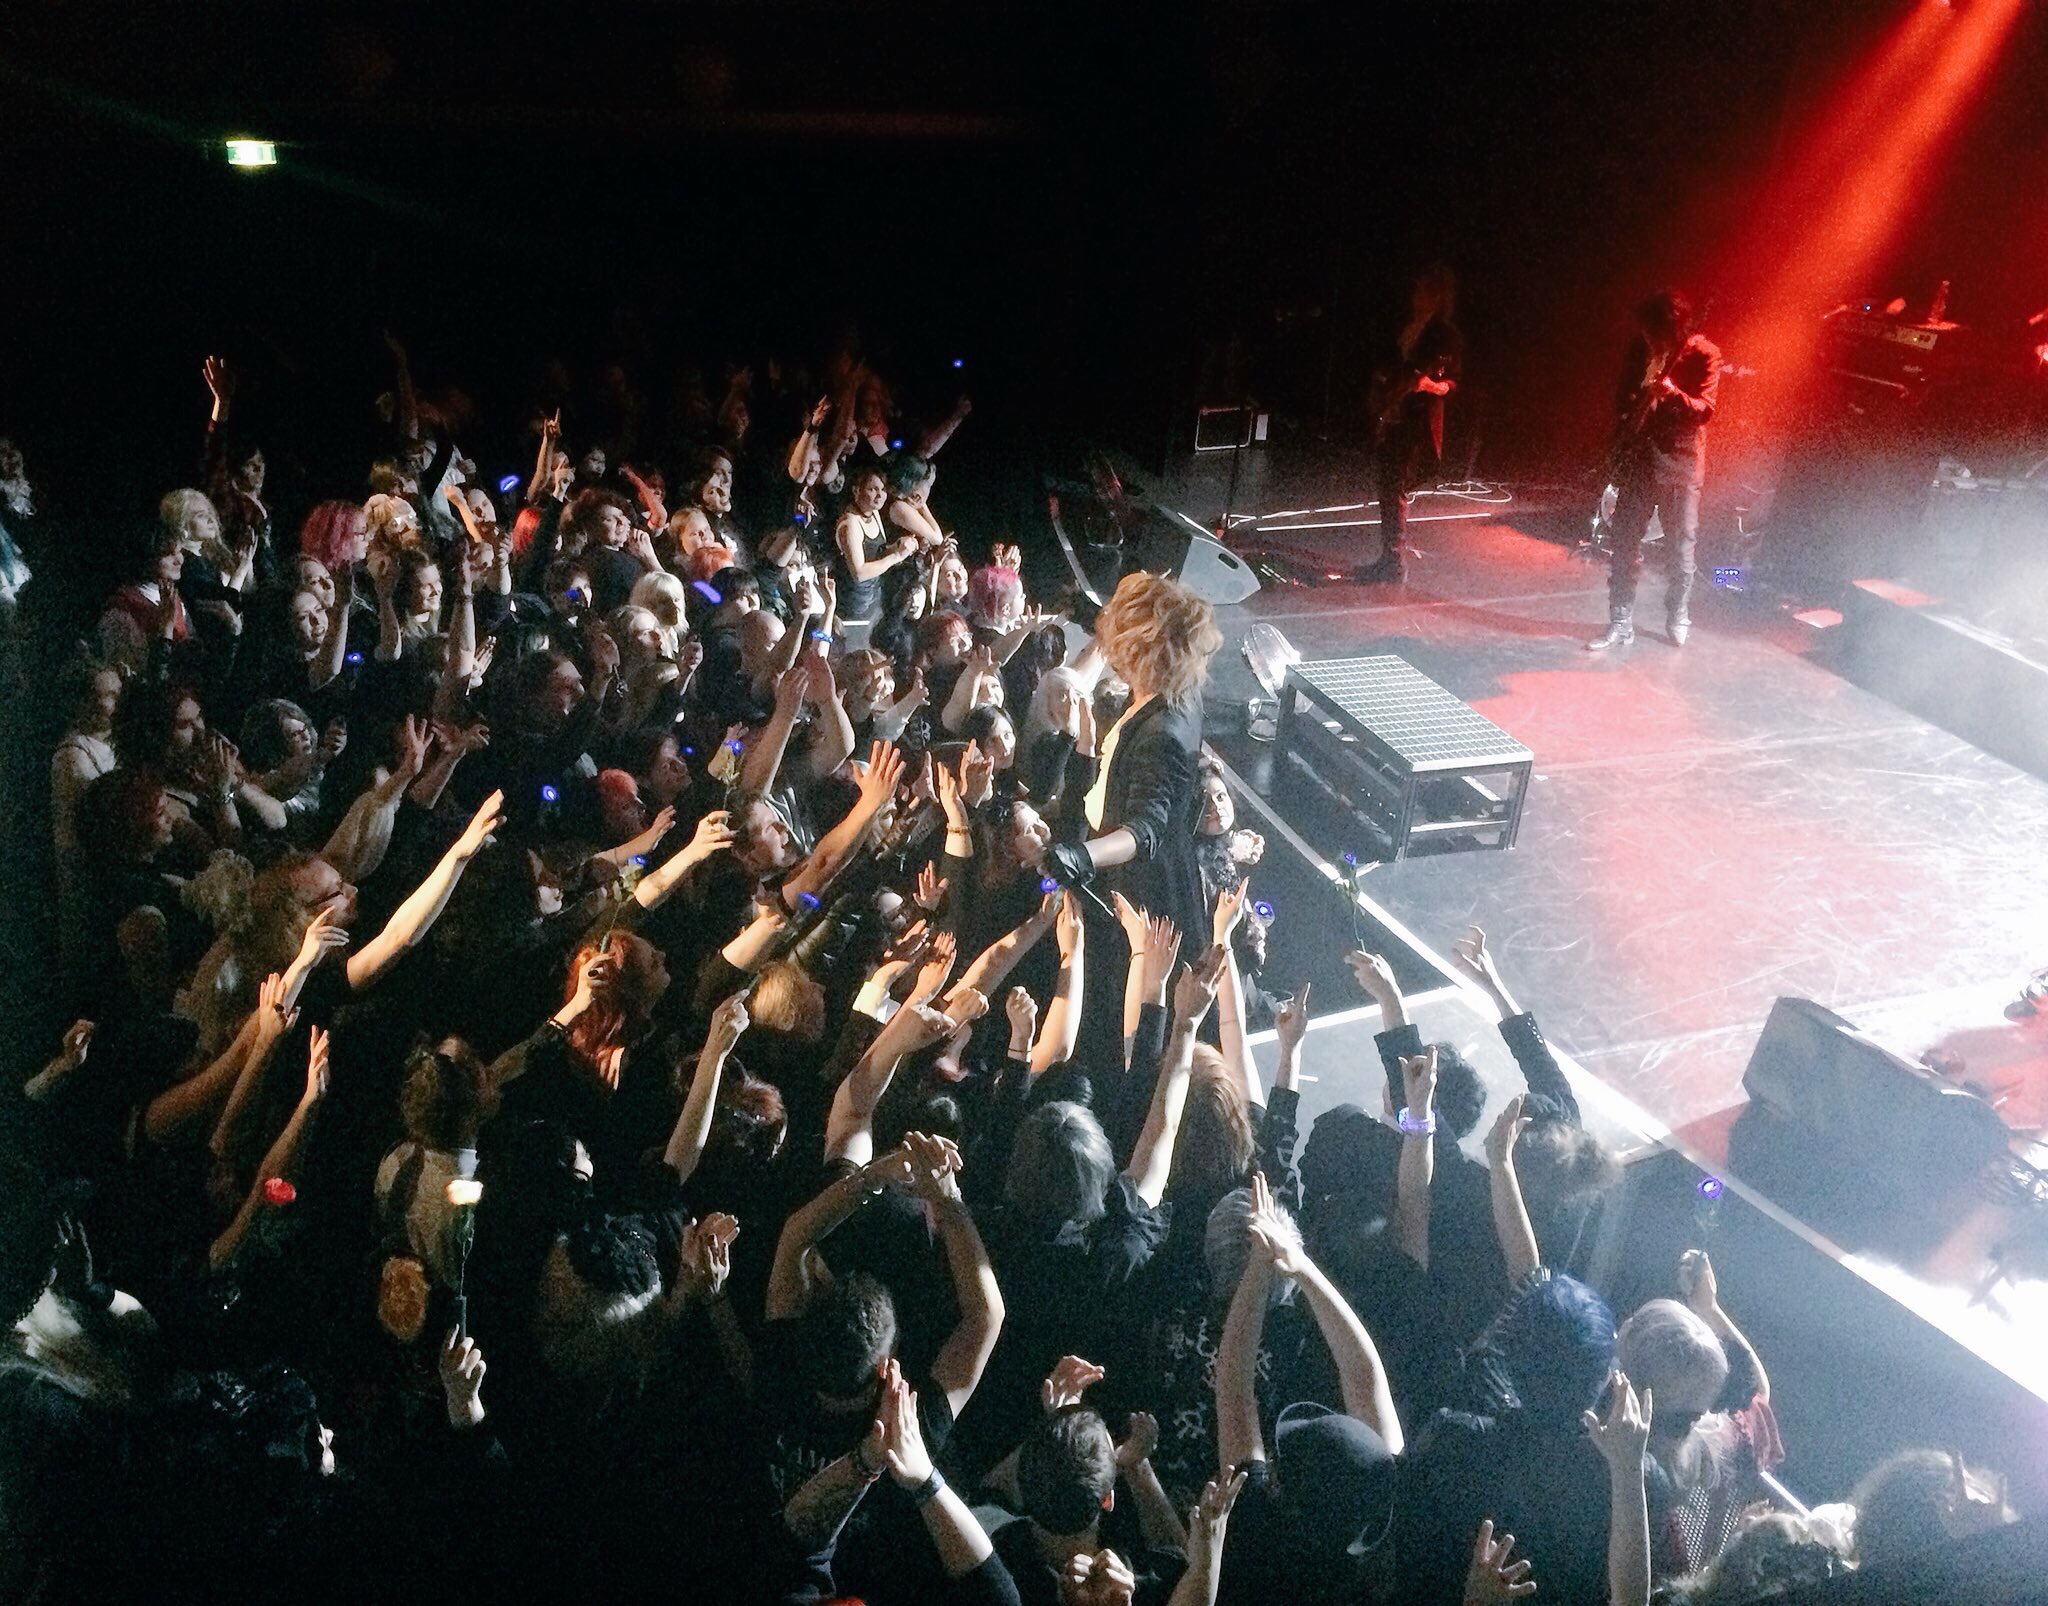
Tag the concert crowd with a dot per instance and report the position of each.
(659, 1027)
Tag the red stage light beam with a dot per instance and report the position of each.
(1826, 225)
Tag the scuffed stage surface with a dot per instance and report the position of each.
(1707, 830)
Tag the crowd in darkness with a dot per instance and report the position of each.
(658, 1028)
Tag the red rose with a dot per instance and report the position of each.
(277, 1191)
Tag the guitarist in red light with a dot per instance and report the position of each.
(1670, 381)
(1418, 370)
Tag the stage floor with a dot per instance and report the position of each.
(1706, 830)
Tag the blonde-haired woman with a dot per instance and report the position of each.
(1158, 637)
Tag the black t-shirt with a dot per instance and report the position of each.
(1264, 1557)
(1544, 1483)
(1067, 1294)
(1038, 1581)
(884, 1550)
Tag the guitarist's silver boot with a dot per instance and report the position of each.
(1621, 630)
(1677, 611)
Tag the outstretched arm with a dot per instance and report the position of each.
(1152, 1158)
(1417, 1167)
(877, 786)
(1230, 998)
(713, 834)
(792, 1279)
(1062, 1032)
(1510, 1216)
(1208, 1526)
(1361, 1377)
(414, 917)
(1238, 1437)
(283, 1158)
(334, 650)
(1621, 1437)
(693, 1127)
(962, 1358)
(1702, 1291)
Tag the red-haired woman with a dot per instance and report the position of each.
(587, 1066)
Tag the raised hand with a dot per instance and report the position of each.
(931, 889)
(316, 1068)
(934, 1167)
(1273, 1237)
(462, 1379)
(1021, 1010)
(1069, 1378)
(1067, 928)
(937, 967)
(1290, 1020)
(77, 1042)
(274, 1017)
(1132, 919)
(71, 1264)
(729, 1023)
(884, 771)
(1697, 1283)
(1141, 1438)
(704, 1260)
(977, 774)
(915, 1026)
(1211, 1516)
(412, 747)
(1418, 1082)
(595, 978)
(1624, 1432)
(902, 1440)
(1506, 1131)
(1374, 975)
(1103, 1579)
(1229, 911)
(322, 937)
(1494, 1574)
(220, 384)
(963, 1006)
(951, 803)
(791, 685)
(1195, 991)
(1159, 951)
(714, 834)
(477, 833)
(334, 739)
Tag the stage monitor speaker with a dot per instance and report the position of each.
(1876, 1151)
(1170, 544)
(1816, 1071)
(1214, 573)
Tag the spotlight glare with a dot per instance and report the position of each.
(251, 153)
(1262, 909)
(1710, 1188)
(508, 484)
(549, 795)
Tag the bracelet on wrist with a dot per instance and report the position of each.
(1417, 1126)
(860, 1461)
(925, 1491)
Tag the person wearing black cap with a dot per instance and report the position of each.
(1310, 1524)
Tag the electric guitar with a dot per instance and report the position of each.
(1390, 396)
